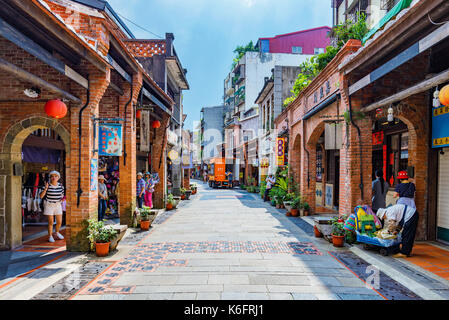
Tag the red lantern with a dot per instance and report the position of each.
(138, 113)
(444, 96)
(156, 124)
(56, 109)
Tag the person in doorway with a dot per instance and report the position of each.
(53, 194)
(102, 197)
(405, 190)
(405, 217)
(140, 190)
(149, 189)
(380, 189)
(270, 182)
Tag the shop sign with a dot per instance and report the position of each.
(110, 140)
(378, 138)
(280, 151)
(145, 131)
(93, 174)
(440, 127)
(172, 138)
(264, 163)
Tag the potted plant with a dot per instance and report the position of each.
(338, 233)
(183, 193)
(306, 208)
(145, 221)
(295, 205)
(194, 188)
(170, 202)
(263, 187)
(100, 236)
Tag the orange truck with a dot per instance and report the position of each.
(218, 169)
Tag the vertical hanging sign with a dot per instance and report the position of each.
(145, 131)
(110, 143)
(280, 151)
(93, 174)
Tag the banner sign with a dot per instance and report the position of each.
(440, 127)
(145, 131)
(93, 174)
(110, 143)
(378, 138)
(280, 151)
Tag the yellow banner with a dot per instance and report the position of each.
(441, 110)
(441, 141)
(280, 151)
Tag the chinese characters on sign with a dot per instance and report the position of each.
(110, 140)
(440, 129)
(280, 146)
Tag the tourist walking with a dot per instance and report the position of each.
(380, 189)
(270, 183)
(405, 190)
(149, 189)
(102, 197)
(140, 192)
(53, 194)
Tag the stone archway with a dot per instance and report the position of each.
(11, 175)
(309, 186)
(295, 160)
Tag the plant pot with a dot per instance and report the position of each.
(288, 214)
(338, 241)
(102, 249)
(183, 197)
(317, 232)
(145, 225)
(169, 206)
(278, 206)
(294, 212)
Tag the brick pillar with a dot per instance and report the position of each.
(88, 208)
(352, 162)
(158, 161)
(127, 194)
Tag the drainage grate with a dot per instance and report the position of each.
(72, 283)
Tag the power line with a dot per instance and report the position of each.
(139, 26)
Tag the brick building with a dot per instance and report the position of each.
(70, 50)
(371, 108)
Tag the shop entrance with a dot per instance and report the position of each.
(20, 164)
(108, 166)
(390, 151)
(42, 152)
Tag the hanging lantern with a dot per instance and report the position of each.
(444, 96)
(138, 114)
(390, 116)
(156, 124)
(56, 109)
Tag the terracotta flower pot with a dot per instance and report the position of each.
(338, 241)
(102, 249)
(183, 197)
(294, 212)
(145, 225)
(169, 206)
(288, 214)
(317, 232)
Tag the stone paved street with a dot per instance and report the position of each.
(227, 244)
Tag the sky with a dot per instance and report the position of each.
(207, 32)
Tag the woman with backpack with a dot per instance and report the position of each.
(405, 190)
(380, 189)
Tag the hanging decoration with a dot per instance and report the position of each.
(444, 96)
(55, 109)
(390, 116)
(110, 143)
(155, 124)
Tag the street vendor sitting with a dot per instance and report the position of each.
(400, 216)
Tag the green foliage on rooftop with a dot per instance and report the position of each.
(240, 52)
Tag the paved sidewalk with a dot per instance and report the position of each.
(227, 244)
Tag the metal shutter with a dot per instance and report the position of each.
(443, 190)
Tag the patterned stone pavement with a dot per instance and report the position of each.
(227, 244)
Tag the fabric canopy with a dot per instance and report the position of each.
(390, 14)
(40, 155)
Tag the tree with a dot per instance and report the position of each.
(240, 52)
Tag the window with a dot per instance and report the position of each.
(296, 49)
(318, 50)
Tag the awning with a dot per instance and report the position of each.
(321, 106)
(401, 5)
